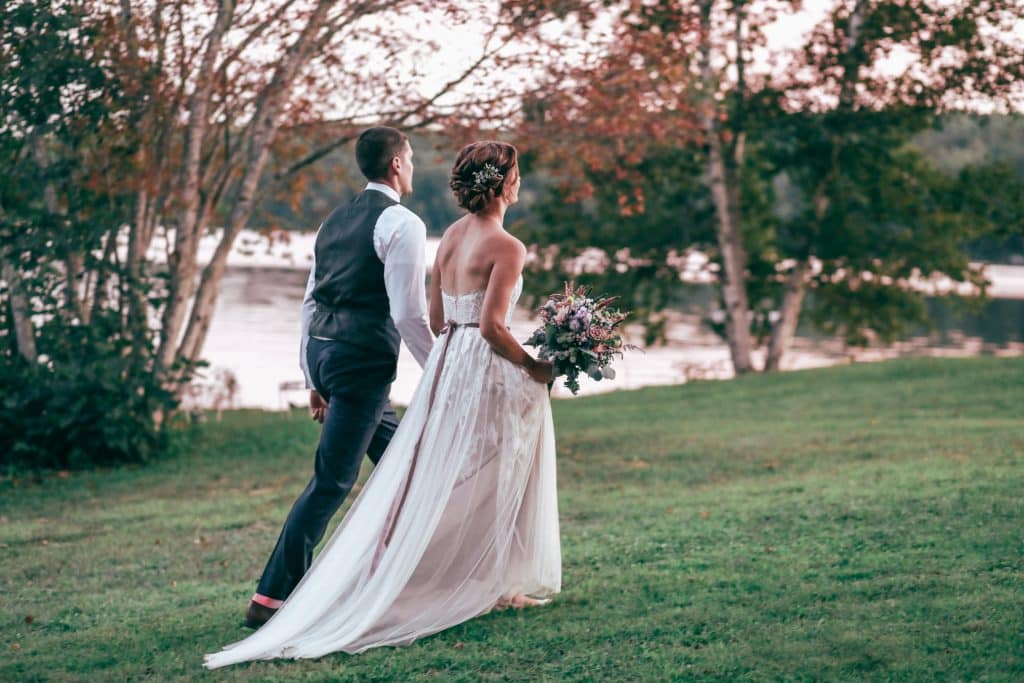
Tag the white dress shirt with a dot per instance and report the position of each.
(400, 240)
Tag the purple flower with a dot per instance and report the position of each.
(579, 335)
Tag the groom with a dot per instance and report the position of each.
(365, 290)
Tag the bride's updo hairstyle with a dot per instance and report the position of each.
(481, 172)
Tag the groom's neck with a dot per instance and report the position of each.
(392, 183)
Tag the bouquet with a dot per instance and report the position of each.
(579, 334)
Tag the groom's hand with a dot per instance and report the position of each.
(317, 406)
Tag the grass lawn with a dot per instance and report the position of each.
(855, 523)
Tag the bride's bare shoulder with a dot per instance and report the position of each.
(506, 247)
(450, 236)
(452, 229)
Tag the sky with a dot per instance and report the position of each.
(461, 44)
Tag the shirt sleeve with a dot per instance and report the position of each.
(400, 239)
(305, 318)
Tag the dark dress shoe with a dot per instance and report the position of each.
(257, 615)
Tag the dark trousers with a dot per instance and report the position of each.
(356, 383)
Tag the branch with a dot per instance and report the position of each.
(397, 118)
(736, 153)
(159, 35)
(849, 58)
(256, 32)
(466, 73)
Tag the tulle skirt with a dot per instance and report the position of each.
(461, 511)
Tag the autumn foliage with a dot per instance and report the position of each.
(800, 144)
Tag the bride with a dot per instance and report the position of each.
(461, 515)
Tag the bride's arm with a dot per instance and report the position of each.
(508, 265)
(436, 303)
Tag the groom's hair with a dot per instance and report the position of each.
(376, 148)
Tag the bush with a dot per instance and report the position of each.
(87, 404)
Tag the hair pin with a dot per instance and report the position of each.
(483, 177)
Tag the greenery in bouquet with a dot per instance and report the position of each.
(579, 334)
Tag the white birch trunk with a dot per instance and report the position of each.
(24, 335)
(727, 224)
(261, 133)
(181, 283)
(784, 328)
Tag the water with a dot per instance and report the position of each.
(255, 336)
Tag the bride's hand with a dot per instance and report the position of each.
(543, 371)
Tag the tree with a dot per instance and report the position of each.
(227, 103)
(821, 125)
(72, 394)
(637, 254)
(34, 116)
(235, 102)
(987, 151)
(125, 119)
(875, 210)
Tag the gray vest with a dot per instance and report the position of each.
(351, 299)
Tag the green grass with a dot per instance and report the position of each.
(854, 523)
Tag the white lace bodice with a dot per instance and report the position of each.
(466, 308)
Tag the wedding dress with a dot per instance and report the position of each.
(460, 512)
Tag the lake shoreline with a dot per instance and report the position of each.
(291, 250)
(254, 336)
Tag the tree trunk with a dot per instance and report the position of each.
(725, 195)
(24, 335)
(734, 291)
(784, 328)
(96, 292)
(140, 234)
(75, 276)
(74, 263)
(188, 229)
(209, 285)
(261, 133)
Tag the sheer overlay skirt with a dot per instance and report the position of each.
(476, 521)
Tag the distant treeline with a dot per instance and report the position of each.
(336, 178)
(962, 140)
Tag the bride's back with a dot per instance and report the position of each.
(467, 254)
